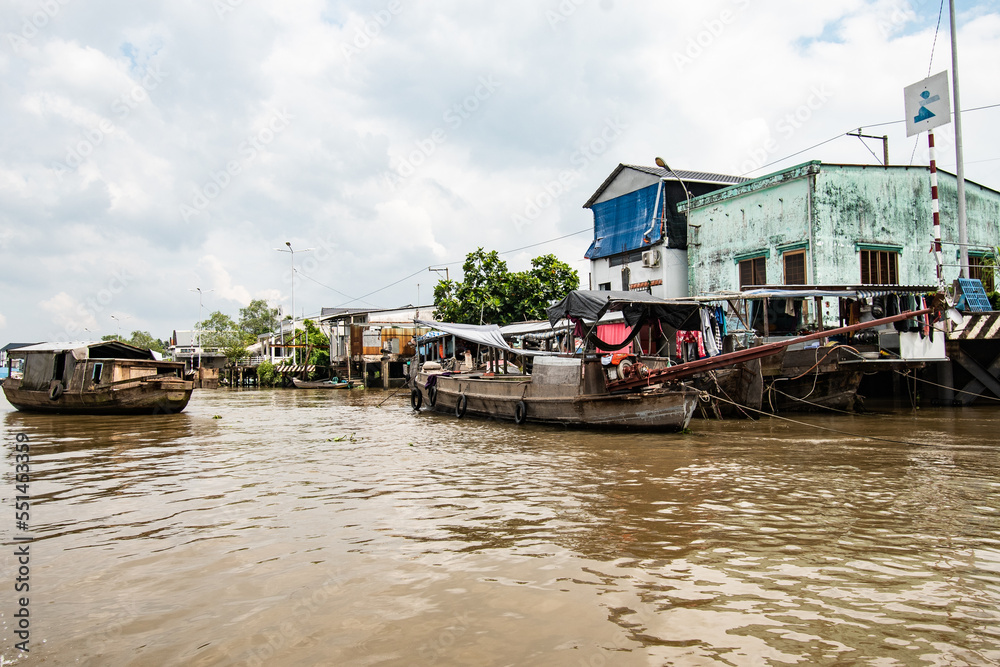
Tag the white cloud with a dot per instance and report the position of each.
(219, 280)
(366, 91)
(70, 319)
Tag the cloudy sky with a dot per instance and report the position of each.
(151, 148)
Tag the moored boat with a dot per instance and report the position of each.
(560, 389)
(107, 377)
(324, 384)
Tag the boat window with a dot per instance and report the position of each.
(98, 369)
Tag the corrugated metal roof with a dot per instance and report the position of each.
(689, 176)
(57, 347)
(375, 314)
(14, 346)
(671, 175)
(107, 349)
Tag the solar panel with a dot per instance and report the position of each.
(974, 295)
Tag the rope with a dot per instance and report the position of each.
(934, 43)
(944, 386)
(802, 400)
(723, 391)
(930, 66)
(833, 430)
(391, 395)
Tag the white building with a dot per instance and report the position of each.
(640, 240)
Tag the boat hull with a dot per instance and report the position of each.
(498, 398)
(303, 384)
(157, 397)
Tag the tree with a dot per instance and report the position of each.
(143, 340)
(220, 331)
(267, 376)
(489, 293)
(258, 318)
(319, 342)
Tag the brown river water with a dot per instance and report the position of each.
(311, 527)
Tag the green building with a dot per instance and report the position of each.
(834, 224)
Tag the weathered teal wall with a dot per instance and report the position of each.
(848, 205)
(756, 216)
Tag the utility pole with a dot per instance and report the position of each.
(885, 143)
(197, 326)
(292, 253)
(963, 234)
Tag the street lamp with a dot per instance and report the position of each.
(663, 165)
(117, 319)
(197, 326)
(292, 253)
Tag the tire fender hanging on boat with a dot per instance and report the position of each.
(56, 390)
(520, 412)
(416, 399)
(432, 395)
(460, 405)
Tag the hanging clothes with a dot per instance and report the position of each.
(692, 337)
(708, 335)
(720, 317)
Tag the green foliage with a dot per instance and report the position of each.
(220, 331)
(319, 353)
(141, 339)
(258, 318)
(989, 264)
(490, 294)
(145, 340)
(267, 376)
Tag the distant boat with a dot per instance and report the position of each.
(107, 377)
(324, 384)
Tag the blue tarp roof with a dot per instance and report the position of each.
(620, 223)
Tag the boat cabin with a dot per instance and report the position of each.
(86, 365)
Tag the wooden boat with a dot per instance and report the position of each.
(323, 384)
(561, 389)
(107, 377)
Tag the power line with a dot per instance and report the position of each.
(891, 122)
(332, 289)
(416, 273)
(559, 238)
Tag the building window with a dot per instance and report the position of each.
(604, 287)
(752, 272)
(625, 258)
(795, 268)
(982, 270)
(879, 267)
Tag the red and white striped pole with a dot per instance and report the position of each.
(935, 210)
